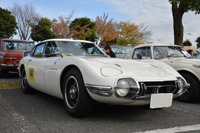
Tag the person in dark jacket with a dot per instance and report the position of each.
(109, 51)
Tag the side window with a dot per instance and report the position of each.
(48, 50)
(148, 53)
(51, 49)
(38, 52)
(144, 52)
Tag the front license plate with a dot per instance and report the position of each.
(161, 100)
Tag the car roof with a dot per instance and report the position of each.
(155, 44)
(71, 40)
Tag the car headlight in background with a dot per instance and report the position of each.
(127, 88)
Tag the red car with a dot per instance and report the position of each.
(11, 52)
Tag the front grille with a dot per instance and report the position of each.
(158, 87)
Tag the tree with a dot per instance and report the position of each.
(83, 28)
(26, 16)
(7, 23)
(179, 7)
(146, 33)
(198, 42)
(187, 43)
(106, 30)
(128, 34)
(61, 27)
(42, 30)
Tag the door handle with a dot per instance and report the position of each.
(29, 59)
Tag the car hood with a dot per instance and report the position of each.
(140, 71)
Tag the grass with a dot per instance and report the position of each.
(9, 85)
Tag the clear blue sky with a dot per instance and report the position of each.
(155, 14)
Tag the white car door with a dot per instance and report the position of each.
(51, 74)
(36, 68)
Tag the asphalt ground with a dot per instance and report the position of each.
(38, 112)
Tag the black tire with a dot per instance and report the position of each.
(76, 98)
(193, 92)
(24, 83)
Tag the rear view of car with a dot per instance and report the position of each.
(11, 52)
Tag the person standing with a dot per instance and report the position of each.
(109, 51)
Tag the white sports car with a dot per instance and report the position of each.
(80, 73)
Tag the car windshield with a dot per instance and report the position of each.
(11, 45)
(78, 48)
(161, 52)
(120, 50)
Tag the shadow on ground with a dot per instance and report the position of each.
(10, 75)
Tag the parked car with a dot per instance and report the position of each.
(174, 56)
(79, 72)
(120, 51)
(11, 52)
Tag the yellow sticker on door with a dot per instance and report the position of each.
(31, 74)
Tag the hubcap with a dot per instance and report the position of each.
(71, 92)
(23, 80)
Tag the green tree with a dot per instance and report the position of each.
(179, 7)
(198, 42)
(129, 33)
(42, 30)
(83, 28)
(187, 43)
(7, 23)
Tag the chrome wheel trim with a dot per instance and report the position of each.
(71, 92)
(23, 80)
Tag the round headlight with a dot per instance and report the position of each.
(127, 88)
(122, 88)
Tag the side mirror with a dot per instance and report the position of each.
(139, 56)
(59, 53)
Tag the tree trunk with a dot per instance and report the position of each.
(177, 23)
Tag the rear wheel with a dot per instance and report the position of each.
(193, 92)
(76, 98)
(24, 83)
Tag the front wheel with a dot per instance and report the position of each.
(76, 98)
(193, 92)
(24, 83)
